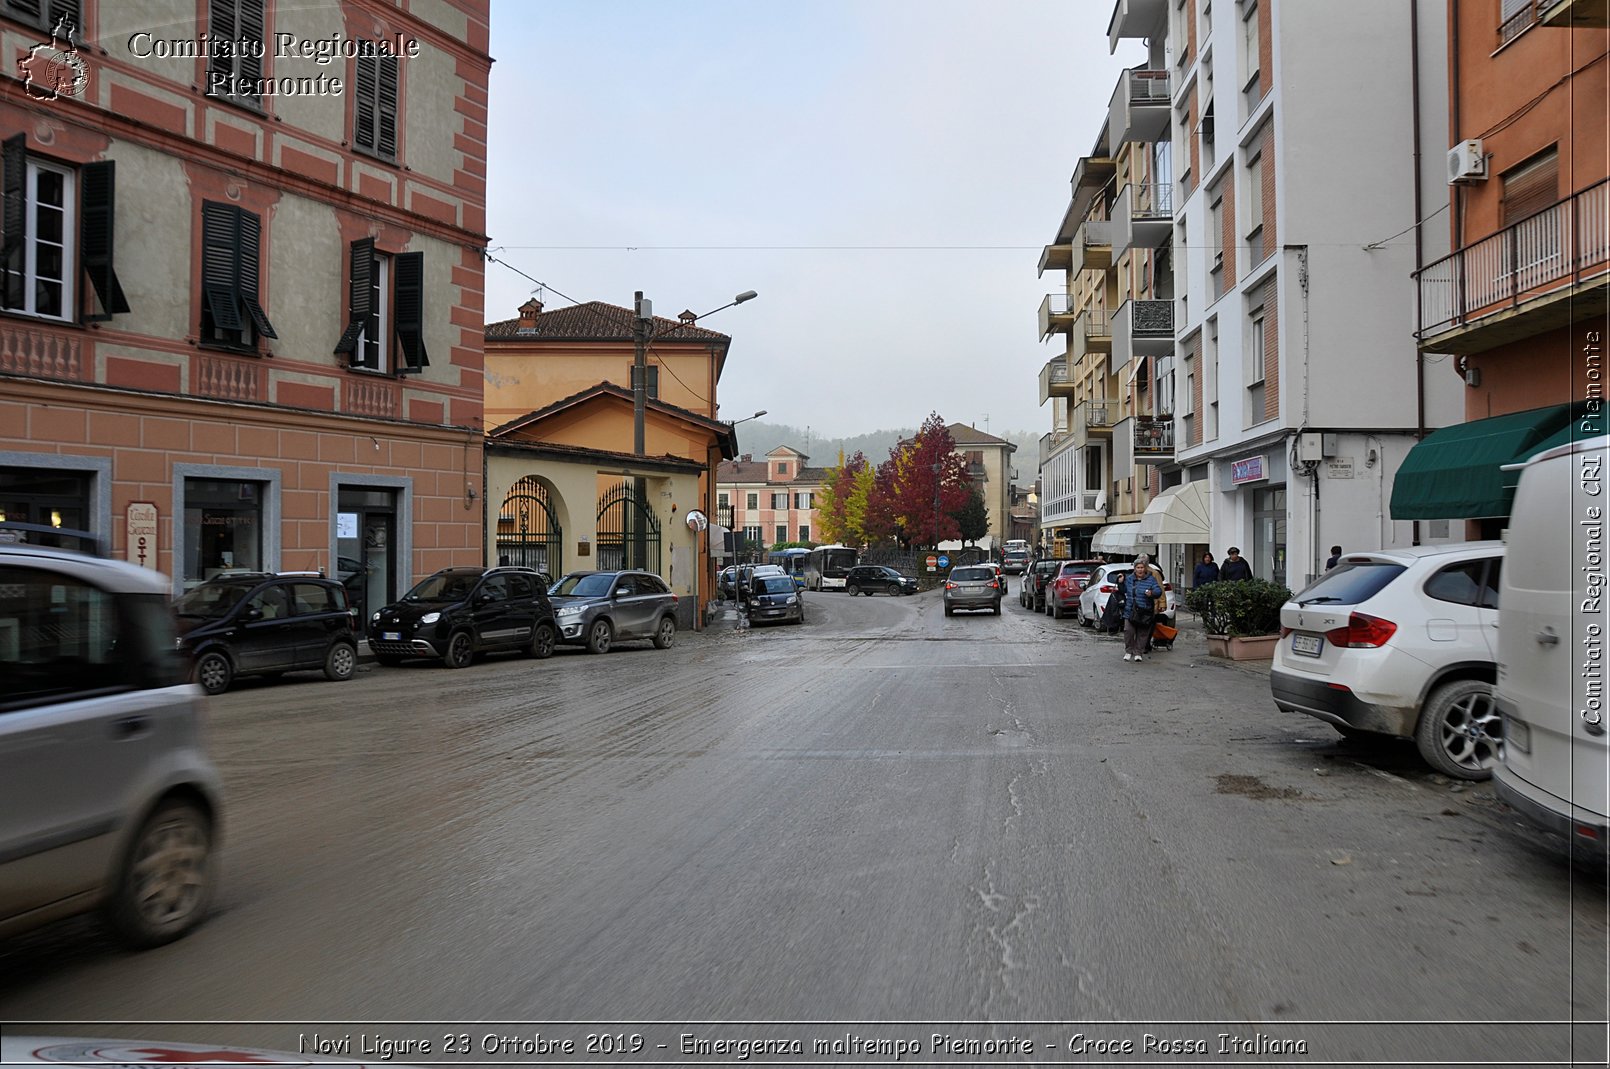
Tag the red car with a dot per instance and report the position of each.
(1063, 589)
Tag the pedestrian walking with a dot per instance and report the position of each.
(1112, 614)
(1335, 558)
(1143, 600)
(1205, 572)
(1234, 567)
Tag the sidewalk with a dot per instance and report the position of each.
(1193, 640)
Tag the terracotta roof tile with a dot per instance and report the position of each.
(595, 321)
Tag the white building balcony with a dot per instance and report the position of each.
(1142, 217)
(1056, 314)
(1140, 109)
(1141, 328)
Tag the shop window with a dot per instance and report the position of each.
(231, 244)
(385, 308)
(223, 528)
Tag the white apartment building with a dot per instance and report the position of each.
(1298, 185)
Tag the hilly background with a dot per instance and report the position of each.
(758, 438)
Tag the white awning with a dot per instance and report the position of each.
(1117, 538)
(1177, 516)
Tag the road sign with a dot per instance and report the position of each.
(944, 560)
(932, 562)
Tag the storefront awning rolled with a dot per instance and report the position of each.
(1177, 516)
(1117, 538)
(1454, 473)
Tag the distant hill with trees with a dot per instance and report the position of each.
(757, 437)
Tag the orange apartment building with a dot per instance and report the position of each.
(1517, 310)
(242, 301)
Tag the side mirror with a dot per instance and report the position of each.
(252, 614)
(623, 592)
(484, 597)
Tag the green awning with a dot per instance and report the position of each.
(1453, 473)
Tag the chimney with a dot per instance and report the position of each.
(687, 316)
(529, 311)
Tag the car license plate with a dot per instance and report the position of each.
(1307, 645)
(391, 636)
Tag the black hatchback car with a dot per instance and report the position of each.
(266, 623)
(461, 612)
(872, 579)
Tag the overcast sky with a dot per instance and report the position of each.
(883, 172)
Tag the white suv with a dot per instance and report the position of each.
(1103, 583)
(107, 798)
(1401, 642)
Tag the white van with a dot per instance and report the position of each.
(1551, 646)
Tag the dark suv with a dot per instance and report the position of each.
(1031, 594)
(266, 623)
(461, 612)
(869, 579)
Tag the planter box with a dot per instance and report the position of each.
(1252, 648)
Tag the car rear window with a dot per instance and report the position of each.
(1350, 583)
(972, 574)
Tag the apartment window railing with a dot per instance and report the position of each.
(1097, 323)
(1153, 436)
(1148, 87)
(1155, 198)
(1560, 245)
(1152, 319)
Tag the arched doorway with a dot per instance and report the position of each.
(529, 534)
(628, 530)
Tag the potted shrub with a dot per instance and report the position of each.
(1241, 617)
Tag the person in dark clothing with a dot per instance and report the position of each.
(1206, 572)
(1235, 566)
(1112, 617)
(1335, 558)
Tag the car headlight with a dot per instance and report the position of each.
(568, 610)
(375, 619)
(792, 599)
(430, 618)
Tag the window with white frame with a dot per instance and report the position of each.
(1252, 370)
(804, 532)
(752, 501)
(722, 500)
(1210, 384)
(779, 502)
(40, 266)
(1254, 229)
(782, 533)
(1249, 51)
(802, 499)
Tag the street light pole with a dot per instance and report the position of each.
(642, 316)
(937, 469)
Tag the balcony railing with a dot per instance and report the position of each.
(1056, 313)
(1154, 438)
(1139, 109)
(1148, 87)
(1560, 246)
(1092, 416)
(1056, 378)
(1093, 244)
(1049, 443)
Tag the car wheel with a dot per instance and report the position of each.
(997, 608)
(340, 662)
(1056, 612)
(1460, 733)
(543, 641)
(214, 672)
(894, 590)
(853, 589)
(460, 650)
(166, 882)
(599, 637)
(665, 634)
(388, 660)
(949, 611)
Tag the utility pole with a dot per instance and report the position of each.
(937, 469)
(643, 316)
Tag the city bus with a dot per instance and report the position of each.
(792, 561)
(827, 567)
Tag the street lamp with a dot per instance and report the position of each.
(642, 334)
(746, 419)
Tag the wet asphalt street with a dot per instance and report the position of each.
(881, 815)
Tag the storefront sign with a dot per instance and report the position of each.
(141, 529)
(1246, 470)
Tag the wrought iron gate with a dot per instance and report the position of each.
(628, 530)
(529, 534)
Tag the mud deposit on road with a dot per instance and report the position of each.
(1253, 787)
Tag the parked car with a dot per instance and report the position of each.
(1400, 642)
(869, 579)
(1551, 651)
(1062, 590)
(973, 586)
(596, 609)
(266, 623)
(108, 800)
(727, 582)
(1015, 557)
(1032, 593)
(460, 613)
(776, 599)
(1103, 583)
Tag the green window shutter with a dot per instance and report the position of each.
(386, 107)
(14, 251)
(95, 236)
(250, 252)
(220, 255)
(360, 287)
(250, 28)
(364, 106)
(409, 269)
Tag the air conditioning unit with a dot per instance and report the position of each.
(1467, 162)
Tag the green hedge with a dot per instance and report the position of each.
(1239, 608)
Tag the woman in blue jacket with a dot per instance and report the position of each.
(1205, 573)
(1142, 594)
